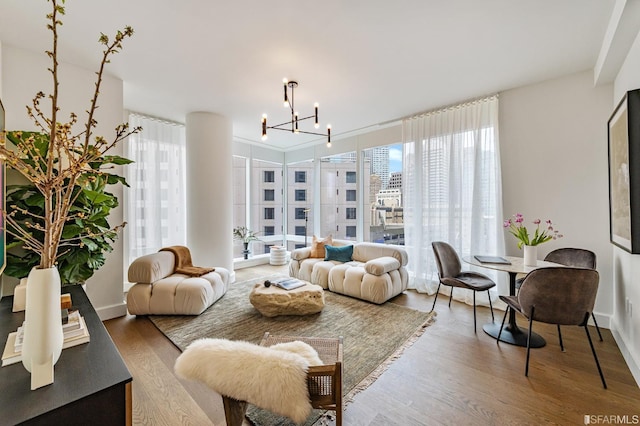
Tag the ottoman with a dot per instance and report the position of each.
(273, 301)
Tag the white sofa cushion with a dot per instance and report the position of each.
(364, 252)
(152, 267)
(382, 265)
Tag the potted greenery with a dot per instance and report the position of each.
(91, 207)
(68, 166)
(245, 235)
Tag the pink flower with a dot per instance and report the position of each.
(516, 227)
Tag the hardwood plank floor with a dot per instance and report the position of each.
(450, 376)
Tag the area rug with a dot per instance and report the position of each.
(373, 335)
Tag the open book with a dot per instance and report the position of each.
(287, 283)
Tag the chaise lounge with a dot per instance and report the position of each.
(160, 290)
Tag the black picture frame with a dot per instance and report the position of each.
(3, 227)
(624, 173)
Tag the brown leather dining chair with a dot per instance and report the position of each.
(561, 296)
(574, 257)
(450, 273)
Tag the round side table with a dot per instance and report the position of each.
(278, 255)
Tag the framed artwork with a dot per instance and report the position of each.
(624, 173)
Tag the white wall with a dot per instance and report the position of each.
(626, 272)
(553, 138)
(24, 74)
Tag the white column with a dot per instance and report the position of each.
(209, 190)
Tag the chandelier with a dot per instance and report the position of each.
(292, 126)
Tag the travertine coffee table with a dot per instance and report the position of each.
(273, 301)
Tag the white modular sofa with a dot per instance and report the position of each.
(160, 291)
(376, 272)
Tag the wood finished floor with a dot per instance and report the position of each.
(450, 376)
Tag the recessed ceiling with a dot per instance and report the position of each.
(365, 63)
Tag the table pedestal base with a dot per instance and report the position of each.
(514, 335)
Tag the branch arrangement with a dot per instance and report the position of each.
(61, 164)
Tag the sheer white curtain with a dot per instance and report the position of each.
(452, 187)
(156, 200)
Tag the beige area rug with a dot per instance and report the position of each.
(373, 335)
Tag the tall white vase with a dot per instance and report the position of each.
(530, 255)
(43, 336)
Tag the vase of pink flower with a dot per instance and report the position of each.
(541, 234)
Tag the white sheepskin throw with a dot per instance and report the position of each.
(273, 378)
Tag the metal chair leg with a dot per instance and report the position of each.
(474, 312)
(450, 296)
(490, 306)
(526, 368)
(436, 298)
(502, 325)
(560, 338)
(596, 324)
(593, 350)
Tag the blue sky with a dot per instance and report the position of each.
(395, 158)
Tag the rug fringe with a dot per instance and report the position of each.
(375, 374)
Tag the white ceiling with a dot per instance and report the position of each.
(365, 62)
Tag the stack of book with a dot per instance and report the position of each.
(75, 333)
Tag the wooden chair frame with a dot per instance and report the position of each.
(323, 381)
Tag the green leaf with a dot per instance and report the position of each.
(96, 197)
(35, 200)
(116, 159)
(90, 244)
(71, 231)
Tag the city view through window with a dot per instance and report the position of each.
(339, 201)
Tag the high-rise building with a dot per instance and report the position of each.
(379, 162)
(395, 181)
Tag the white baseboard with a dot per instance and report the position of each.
(112, 311)
(604, 321)
(626, 354)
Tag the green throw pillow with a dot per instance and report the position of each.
(339, 254)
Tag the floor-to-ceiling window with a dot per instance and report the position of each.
(239, 198)
(339, 196)
(383, 201)
(156, 199)
(453, 185)
(300, 198)
(267, 204)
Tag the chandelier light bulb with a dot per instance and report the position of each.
(286, 97)
(264, 127)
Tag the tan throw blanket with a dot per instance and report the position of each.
(184, 263)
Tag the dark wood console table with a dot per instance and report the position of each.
(92, 384)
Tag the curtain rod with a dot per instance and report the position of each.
(451, 107)
(150, 117)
